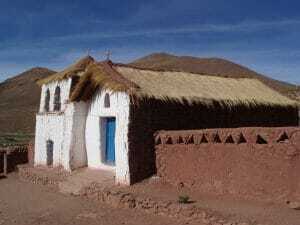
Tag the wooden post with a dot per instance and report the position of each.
(5, 163)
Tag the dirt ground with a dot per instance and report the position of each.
(231, 208)
(24, 203)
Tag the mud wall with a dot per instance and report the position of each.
(247, 163)
(150, 115)
(19, 156)
(30, 153)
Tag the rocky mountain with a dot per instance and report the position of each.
(19, 100)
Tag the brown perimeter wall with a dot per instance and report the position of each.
(247, 163)
(19, 156)
(149, 115)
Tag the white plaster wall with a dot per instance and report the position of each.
(65, 128)
(65, 86)
(76, 131)
(49, 127)
(119, 108)
(77, 153)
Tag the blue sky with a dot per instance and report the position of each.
(263, 35)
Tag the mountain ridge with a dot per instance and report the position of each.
(20, 95)
(19, 100)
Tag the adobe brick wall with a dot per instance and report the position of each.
(244, 169)
(19, 156)
(30, 153)
(150, 115)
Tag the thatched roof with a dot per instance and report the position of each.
(190, 87)
(76, 69)
(169, 85)
(100, 75)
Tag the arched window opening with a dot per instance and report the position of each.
(106, 101)
(57, 104)
(47, 101)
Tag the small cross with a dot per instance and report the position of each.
(108, 54)
(88, 52)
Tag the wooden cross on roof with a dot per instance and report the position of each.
(108, 55)
(88, 52)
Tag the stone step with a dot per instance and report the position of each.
(79, 181)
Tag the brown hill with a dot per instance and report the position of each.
(20, 95)
(19, 100)
(211, 66)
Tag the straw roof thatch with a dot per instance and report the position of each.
(100, 75)
(74, 70)
(190, 87)
(169, 86)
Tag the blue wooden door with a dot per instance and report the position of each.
(110, 140)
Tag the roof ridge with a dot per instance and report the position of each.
(145, 68)
(179, 71)
(107, 65)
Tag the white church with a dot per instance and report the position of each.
(104, 115)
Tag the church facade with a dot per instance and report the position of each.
(104, 115)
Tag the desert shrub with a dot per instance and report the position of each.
(183, 199)
(14, 138)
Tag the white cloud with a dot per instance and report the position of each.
(56, 53)
(244, 26)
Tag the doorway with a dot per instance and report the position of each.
(49, 148)
(110, 131)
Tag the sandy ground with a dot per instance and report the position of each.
(24, 203)
(234, 209)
